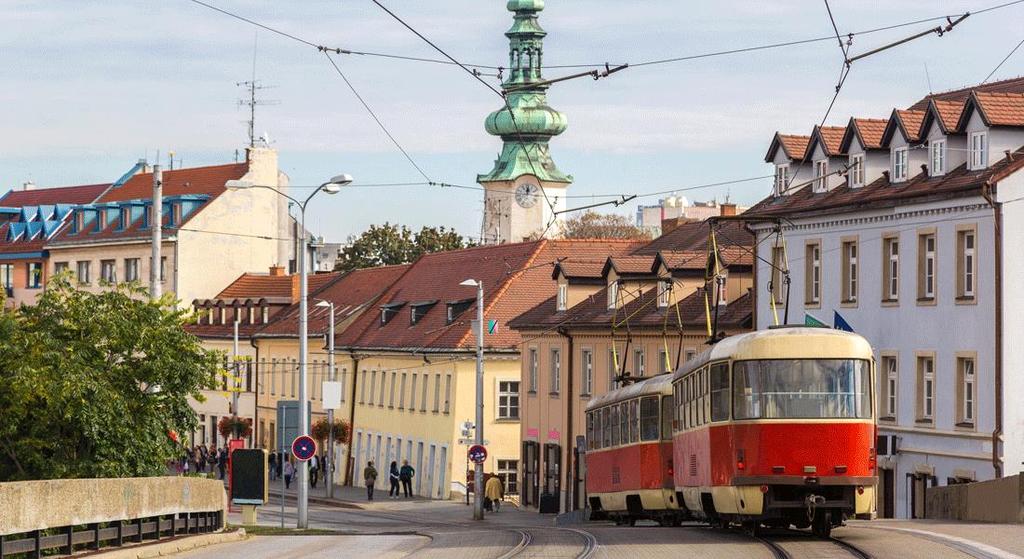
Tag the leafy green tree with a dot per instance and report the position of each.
(390, 244)
(94, 385)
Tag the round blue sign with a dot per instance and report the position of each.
(303, 448)
(478, 454)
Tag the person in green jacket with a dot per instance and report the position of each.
(370, 477)
(405, 475)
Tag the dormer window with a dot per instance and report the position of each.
(938, 157)
(563, 293)
(613, 294)
(223, 315)
(387, 312)
(126, 217)
(265, 312)
(210, 318)
(899, 164)
(456, 308)
(979, 150)
(856, 170)
(175, 214)
(664, 288)
(147, 216)
(418, 310)
(820, 175)
(781, 179)
(78, 223)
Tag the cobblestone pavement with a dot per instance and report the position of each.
(445, 530)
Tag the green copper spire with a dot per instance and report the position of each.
(537, 122)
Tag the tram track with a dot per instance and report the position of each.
(528, 539)
(794, 543)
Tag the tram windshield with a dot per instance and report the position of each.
(802, 388)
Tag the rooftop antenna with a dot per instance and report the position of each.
(251, 87)
(929, 78)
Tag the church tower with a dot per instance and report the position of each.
(525, 188)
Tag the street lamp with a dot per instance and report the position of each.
(332, 186)
(330, 411)
(478, 471)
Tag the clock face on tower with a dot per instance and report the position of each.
(527, 194)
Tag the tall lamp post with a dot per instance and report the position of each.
(478, 471)
(330, 411)
(332, 186)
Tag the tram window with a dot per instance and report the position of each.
(675, 407)
(613, 422)
(634, 421)
(590, 431)
(666, 418)
(624, 422)
(692, 399)
(705, 398)
(719, 392)
(649, 418)
(606, 432)
(801, 388)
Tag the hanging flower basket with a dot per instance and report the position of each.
(322, 429)
(234, 427)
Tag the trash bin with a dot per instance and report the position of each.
(548, 504)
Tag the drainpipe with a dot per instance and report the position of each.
(352, 418)
(997, 434)
(570, 498)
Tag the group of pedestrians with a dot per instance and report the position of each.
(283, 464)
(203, 459)
(396, 476)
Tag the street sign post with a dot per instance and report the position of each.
(477, 454)
(303, 448)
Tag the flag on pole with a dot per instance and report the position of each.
(840, 323)
(810, 320)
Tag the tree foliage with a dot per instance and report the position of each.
(592, 225)
(390, 244)
(94, 385)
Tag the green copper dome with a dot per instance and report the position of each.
(535, 122)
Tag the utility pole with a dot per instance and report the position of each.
(478, 471)
(330, 411)
(156, 226)
(238, 372)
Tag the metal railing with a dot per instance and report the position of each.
(69, 539)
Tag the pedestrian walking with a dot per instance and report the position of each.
(272, 466)
(211, 456)
(495, 491)
(370, 478)
(280, 463)
(314, 470)
(222, 461)
(289, 471)
(393, 477)
(405, 476)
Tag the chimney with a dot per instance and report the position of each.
(668, 225)
(28, 185)
(276, 270)
(727, 209)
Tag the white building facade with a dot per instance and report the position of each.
(914, 255)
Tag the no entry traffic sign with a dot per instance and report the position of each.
(478, 454)
(303, 448)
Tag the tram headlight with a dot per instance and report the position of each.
(860, 489)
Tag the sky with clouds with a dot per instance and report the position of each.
(90, 87)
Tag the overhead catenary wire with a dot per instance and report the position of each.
(1003, 61)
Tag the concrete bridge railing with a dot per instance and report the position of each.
(73, 514)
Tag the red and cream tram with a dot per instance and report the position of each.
(777, 428)
(629, 453)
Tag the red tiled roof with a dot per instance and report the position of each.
(352, 293)
(632, 264)
(694, 237)
(870, 131)
(581, 269)
(84, 194)
(515, 276)
(259, 286)
(1012, 85)
(15, 247)
(881, 193)
(997, 109)
(949, 113)
(831, 137)
(195, 180)
(793, 146)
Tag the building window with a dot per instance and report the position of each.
(373, 385)
(926, 267)
(820, 178)
(163, 267)
(613, 369)
(437, 392)
(509, 475)
(891, 269)
(448, 393)
(563, 291)
(966, 264)
(35, 275)
(781, 179)
(265, 314)
(587, 372)
(857, 170)
(59, 267)
(508, 399)
(938, 157)
(850, 271)
(890, 380)
(383, 383)
(556, 371)
(391, 395)
(423, 395)
(412, 392)
(664, 287)
(778, 273)
(639, 358)
(663, 361)
(534, 368)
(401, 393)
(899, 164)
(82, 271)
(925, 389)
(979, 150)
(7, 278)
(613, 294)
(966, 393)
(812, 281)
(131, 269)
